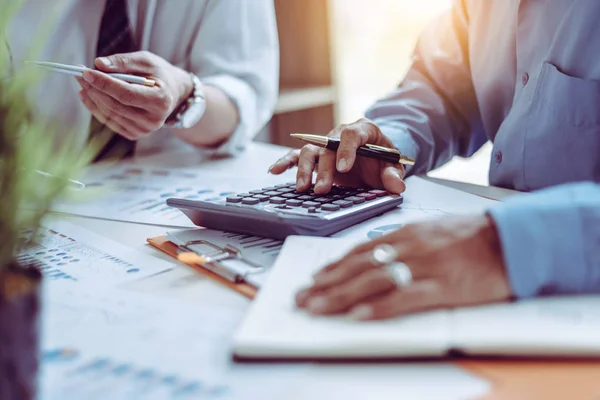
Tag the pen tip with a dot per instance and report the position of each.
(294, 135)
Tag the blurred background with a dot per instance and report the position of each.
(339, 56)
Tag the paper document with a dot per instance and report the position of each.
(67, 252)
(139, 193)
(422, 200)
(124, 345)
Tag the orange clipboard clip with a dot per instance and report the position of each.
(166, 246)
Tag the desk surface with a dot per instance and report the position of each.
(321, 381)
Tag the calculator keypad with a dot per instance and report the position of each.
(285, 197)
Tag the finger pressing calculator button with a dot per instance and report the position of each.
(378, 193)
(330, 207)
(234, 199)
(250, 201)
(293, 203)
(367, 196)
(309, 204)
(277, 200)
(261, 197)
(355, 199)
(343, 203)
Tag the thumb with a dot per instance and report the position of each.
(139, 62)
(391, 178)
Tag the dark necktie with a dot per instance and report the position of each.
(115, 36)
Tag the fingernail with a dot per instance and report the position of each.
(106, 62)
(302, 296)
(88, 76)
(270, 168)
(300, 182)
(361, 313)
(319, 184)
(317, 305)
(342, 164)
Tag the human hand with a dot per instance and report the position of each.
(343, 167)
(454, 262)
(133, 110)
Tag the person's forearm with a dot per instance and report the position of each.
(551, 240)
(216, 125)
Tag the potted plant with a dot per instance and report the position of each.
(35, 169)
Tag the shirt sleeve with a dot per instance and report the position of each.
(236, 49)
(551, 240)
(432, 113)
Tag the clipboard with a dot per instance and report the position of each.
(211, 270)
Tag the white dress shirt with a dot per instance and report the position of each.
(229, 44)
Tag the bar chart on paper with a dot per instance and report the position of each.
(70, 374)
(65, 252)
(139, 193)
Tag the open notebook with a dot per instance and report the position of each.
(275, 329)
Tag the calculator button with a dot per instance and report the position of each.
(256, 192)
(378, 193)
(367, 196)
(250, 201)
(343, 203)
(266, 189)
(234, 199)
(313, 210)
(285, 190)
(277, 200)
(330, 207)
(322, 200)
(305, 198)
(309, 204)
(243, 195)
(355, 199)
(280, 185)
(261, 197)
(293, 203)
(271, 193)
(288, 195)
(291, 184)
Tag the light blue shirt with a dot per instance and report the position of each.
(525, 75)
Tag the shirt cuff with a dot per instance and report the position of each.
(541, 237)
(402, 141)
(244, 98)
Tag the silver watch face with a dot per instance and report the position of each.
(193, 113)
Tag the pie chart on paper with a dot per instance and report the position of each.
(382, 230)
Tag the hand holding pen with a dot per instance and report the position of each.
(131, 93)
(350, 165)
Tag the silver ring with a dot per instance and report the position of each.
(384, 254)
(400, 273)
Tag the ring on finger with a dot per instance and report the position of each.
(385, 255)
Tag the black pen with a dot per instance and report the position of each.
(369, 150)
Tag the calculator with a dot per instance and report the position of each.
(279, 211)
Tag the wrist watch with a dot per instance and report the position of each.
(191, 110)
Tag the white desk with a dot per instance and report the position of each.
(407, 380)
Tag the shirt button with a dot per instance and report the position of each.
(498, 157)
(525, 78)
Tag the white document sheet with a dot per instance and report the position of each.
(123, 345)
(422, 200)
(138, 193)
(68, 252)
